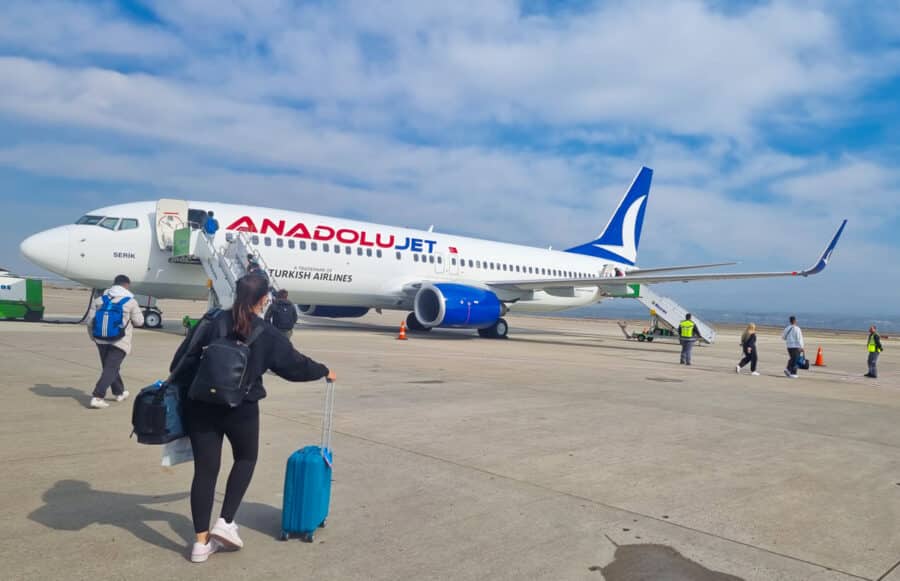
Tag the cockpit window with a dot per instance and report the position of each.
(128, 224)
(109, 223)
(89, 220)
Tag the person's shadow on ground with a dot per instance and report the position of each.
(44, 390)
(72, 505)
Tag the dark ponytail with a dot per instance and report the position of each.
(251, 288)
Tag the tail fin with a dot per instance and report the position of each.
(620, 239)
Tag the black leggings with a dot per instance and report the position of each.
(749, 358)
(207, 425)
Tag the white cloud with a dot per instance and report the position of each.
(67, 30)
(397, 112)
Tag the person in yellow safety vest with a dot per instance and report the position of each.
(687, 333)
(875, 350)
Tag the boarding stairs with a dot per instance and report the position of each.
(223, 265)
(670, 314)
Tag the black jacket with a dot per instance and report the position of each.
(270, 351)
(750, 344)
(270, 314)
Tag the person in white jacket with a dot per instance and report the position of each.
(114, 349)
(793, 339)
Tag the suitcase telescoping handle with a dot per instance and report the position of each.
(328, 421)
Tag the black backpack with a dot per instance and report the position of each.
(284, 315)
(220, 378)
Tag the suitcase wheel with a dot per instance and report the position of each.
(306, 537)
(285, 535)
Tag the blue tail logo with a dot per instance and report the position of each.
(620, 239)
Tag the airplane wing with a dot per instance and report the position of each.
(657, 270)
(648, 276)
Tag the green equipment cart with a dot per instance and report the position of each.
(21, 298)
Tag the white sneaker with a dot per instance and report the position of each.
(793, 376)
(755, 373)
(98, 403)
(200, 552)
(227, 534)
(123, 397)
(737, 369)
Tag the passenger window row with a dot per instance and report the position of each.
(423, 258)
(108, 222)
(543, 271)
(312, 246)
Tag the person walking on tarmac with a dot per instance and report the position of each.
(110, 321)
(748, 348)
(208, 423)
(875, 350)
(688, 335)
(793, 339)
(282, 314)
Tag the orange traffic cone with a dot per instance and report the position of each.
(820, 361)
(402, 335)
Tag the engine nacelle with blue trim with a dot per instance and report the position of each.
(333, 312)
(457, 305)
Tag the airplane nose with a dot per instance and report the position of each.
(48, 249)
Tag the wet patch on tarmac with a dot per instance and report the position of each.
(427, 381)
(665, 379)
(657, 563)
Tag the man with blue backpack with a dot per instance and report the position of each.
(110, 321)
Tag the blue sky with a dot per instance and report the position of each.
(766, 123)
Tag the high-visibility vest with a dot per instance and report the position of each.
(687, 329)
(872, 346)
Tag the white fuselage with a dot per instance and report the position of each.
(319, 260)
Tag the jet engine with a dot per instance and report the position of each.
(456, 305)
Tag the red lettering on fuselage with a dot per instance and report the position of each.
(381, 244)
(298, 231)
(244, 224)
(270, 225)
(323, 233)
(347, 236)
(320, 232)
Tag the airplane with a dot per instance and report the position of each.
(334, 267)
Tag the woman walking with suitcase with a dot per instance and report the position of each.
(748, 348)
(259, 347)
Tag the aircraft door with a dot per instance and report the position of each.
(439, 263)
(171, 215)
(453, 264)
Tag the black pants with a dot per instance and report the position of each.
(750, 358)
(111, 357)
(793, 356)
(207, 425)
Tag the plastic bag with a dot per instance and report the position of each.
(177, 452)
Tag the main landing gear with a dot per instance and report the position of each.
(499, 330)
(153, 318)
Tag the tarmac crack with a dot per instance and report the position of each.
(889, 571)
(593, 501)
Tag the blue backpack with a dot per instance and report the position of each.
(108, 320)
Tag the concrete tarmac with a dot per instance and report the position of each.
(563, 453)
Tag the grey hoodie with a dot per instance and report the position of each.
(132, 316)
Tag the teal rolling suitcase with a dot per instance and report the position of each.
(307, 482)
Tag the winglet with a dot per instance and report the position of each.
(826, 256)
